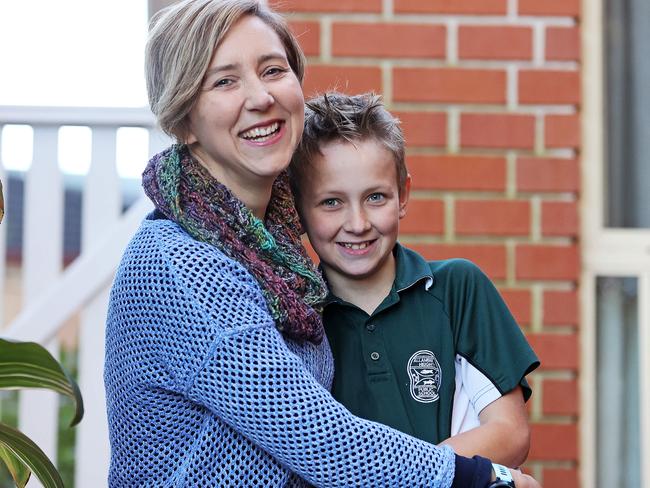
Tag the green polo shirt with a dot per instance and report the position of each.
(396, 366)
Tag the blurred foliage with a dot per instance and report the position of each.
(29, 365)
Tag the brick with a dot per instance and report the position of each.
(308, 35)
(501, 131)
(556, 351)
(560, 219)
(310, 250)
(562, 131)
(389, 40)
(320, 6)
(445, 85)
(549, 87)
(457, 172)
(519, 303)
(468, 7)
(560, 397)
(569, 8)
(424, 217)
(548, 175)
(495, 42)
(539, 262)
(560, 477)
(553, 442)
(563, 44)
(347, 79)
(560, 308)
(492, 217)
(423, 129)
(490, 258)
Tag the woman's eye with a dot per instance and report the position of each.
(223, 82)
(275, 71)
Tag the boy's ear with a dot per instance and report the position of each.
(404, 197)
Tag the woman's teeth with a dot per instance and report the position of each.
(355, 246)
(261, 134)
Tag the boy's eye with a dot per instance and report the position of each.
(330, 202)
(375, 197)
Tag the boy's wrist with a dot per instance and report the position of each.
(501, 477)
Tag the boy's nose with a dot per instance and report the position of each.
(357, 221)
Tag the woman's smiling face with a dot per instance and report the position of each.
(249, 115)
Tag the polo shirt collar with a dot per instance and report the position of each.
(410, 268)
(331, 297)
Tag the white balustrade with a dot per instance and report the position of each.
(101, 210)
(42, 262)
(51, 296)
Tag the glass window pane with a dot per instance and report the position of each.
(617, 383)
(627, 108)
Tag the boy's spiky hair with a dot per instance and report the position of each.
(335, 116)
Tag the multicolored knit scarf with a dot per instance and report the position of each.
(185, 192)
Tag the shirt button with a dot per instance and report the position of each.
(374, 356)
(370, 327)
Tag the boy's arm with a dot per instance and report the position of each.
(504, 434)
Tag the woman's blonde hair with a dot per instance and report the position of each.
(182, 40)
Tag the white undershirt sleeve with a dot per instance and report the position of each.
(474, 392)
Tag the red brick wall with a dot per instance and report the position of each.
(488, 92)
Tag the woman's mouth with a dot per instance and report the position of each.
(261, 134)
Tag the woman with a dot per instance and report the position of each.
(217, 373)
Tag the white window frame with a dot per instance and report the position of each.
(605, 252)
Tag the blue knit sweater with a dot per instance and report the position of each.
(203, 391)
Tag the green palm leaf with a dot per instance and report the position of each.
(18, 470)
(2, 203)
(30, 365)
(19, 452)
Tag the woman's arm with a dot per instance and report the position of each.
(504, 433)
(255, 384)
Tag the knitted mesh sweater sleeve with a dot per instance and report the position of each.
(205, 336)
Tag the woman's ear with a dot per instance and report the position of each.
(188, 137)
(404, 196)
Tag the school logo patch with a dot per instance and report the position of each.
(425, 376)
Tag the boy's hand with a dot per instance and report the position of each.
(523, 480)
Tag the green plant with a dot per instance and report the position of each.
(29, 365)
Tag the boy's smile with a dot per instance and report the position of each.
(351, 207)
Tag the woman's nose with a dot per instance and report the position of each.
(258, 97)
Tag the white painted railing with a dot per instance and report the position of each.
(52, 296)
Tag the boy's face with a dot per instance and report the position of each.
(351, 209)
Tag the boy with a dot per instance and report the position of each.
(428, 348)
